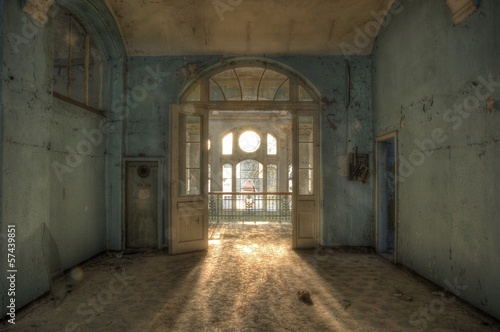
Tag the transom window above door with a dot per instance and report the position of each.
(250, 84)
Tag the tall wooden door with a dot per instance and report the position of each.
(306, 179)
(188, 222)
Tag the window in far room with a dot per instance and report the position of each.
(227, 144)
(77, 63)
(272, 145)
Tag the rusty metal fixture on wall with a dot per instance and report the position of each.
(359, 167)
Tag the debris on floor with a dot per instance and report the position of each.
(305, 296)
(399, 294)
(346, 304)
(115, 254)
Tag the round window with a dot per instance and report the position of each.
(249, 141)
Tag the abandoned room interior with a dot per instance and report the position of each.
(250, 165)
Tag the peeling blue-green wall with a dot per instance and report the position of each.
(54, 162)
(26, 166)
(422, 67)
(429, 84)
(3, 249)
(347, 208)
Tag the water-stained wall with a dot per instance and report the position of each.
(155, 83)
(63, 170)
(53, 171)
(436, 84)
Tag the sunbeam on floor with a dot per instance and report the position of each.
(248, 281)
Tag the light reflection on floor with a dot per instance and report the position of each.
(248, 281)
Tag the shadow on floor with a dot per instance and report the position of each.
(248, 281)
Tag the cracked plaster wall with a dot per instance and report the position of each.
(347, 209)
(428, 83)
(37, 128)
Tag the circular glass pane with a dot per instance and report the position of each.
(249, 141)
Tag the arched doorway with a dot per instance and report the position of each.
(252, 91)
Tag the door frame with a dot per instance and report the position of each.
(294, 106)
(161, 164)
(379, 141)
(317, 196)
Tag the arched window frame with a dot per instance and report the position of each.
(238, 154)
(201, 90)
(91, 96)
(257, 178)
(302, 97)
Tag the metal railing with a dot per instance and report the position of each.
(250, 206)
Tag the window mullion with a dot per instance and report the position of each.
(87, 69)
(294, 90)
(70, 42)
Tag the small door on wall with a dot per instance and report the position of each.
(188, 222)
(386, 196)
(141, 204)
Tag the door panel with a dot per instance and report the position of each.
(188, 223)
(306, 217)
(305, 174)
(192, 217)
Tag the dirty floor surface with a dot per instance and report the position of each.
(248, 281)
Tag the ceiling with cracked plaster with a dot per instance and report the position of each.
(247, 27)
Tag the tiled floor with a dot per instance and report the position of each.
(248, 281)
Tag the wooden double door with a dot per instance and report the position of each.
(188, 203)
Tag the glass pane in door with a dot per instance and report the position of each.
(306, 155)
(190, 179)
(306, 182)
